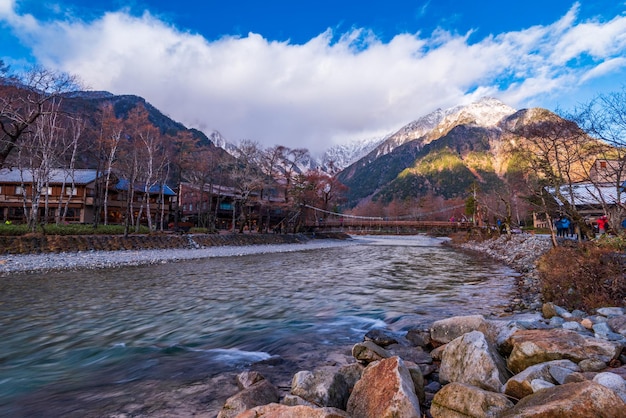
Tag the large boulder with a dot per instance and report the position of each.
(584, 399)
(385, 390)
(446, 330)
(520, 385)
(322, 387)
(472, 360)
(458, 400)
(260, 393)
(538, 346)
(275, 410)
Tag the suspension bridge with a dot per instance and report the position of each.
(322, 220)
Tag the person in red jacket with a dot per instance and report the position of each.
(601, 224)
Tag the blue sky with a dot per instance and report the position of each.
(313, 74)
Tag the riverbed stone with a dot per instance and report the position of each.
(351, 374)
(584, 399)
(520, 386)
(259, 393)
(472, 360)
(613, 382)
(618, 324)
(418, 337)
(385, 390)
(275, 410)
(380, 337)
(248, 378)
(548, 310)
(458, 400)
(418, 380)
(446, 330)
(611, 311)
(538, 346)
(540, 384)
(323, 387)
(414, 354)
(367, 352)
(592, 365)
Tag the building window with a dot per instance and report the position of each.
(19, 190)
(71, 191)
(46, 190)
(602, 164)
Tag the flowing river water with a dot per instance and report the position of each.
(91, 342)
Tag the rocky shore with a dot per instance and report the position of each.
(548, 363)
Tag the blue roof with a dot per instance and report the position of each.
(154, 189)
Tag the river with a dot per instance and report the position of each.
(102, 342)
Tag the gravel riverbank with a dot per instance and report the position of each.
(92, 259)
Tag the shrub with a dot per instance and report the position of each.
(584, 276)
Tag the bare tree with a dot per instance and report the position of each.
(604, 118)
(555, 154)
(247, 177)
(23, 100)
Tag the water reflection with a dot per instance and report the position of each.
(202, 317)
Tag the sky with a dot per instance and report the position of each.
(311, 74)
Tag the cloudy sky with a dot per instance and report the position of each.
(315, 73)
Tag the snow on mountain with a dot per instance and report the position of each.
(340, 156)
(486, 112)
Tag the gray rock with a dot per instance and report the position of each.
(470, 359)
(562, 312)
(618, 324)
(458, 400)
(446, 330)
(323, 387)
(574, 326)
(540, 384)
(520, 386)
(613, 382)
(556, 321)
(260, 393)
(367, 352)
(380, 337)
(592, 365)
(610, 311)
(559, 374)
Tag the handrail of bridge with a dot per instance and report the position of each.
(389, 223)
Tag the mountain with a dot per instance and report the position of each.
(341, 156)
(442, 154)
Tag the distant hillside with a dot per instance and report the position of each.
(88, 105)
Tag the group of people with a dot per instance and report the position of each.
(566, 228)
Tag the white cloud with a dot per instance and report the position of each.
(321, 92)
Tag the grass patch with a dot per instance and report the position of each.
(70, 229)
